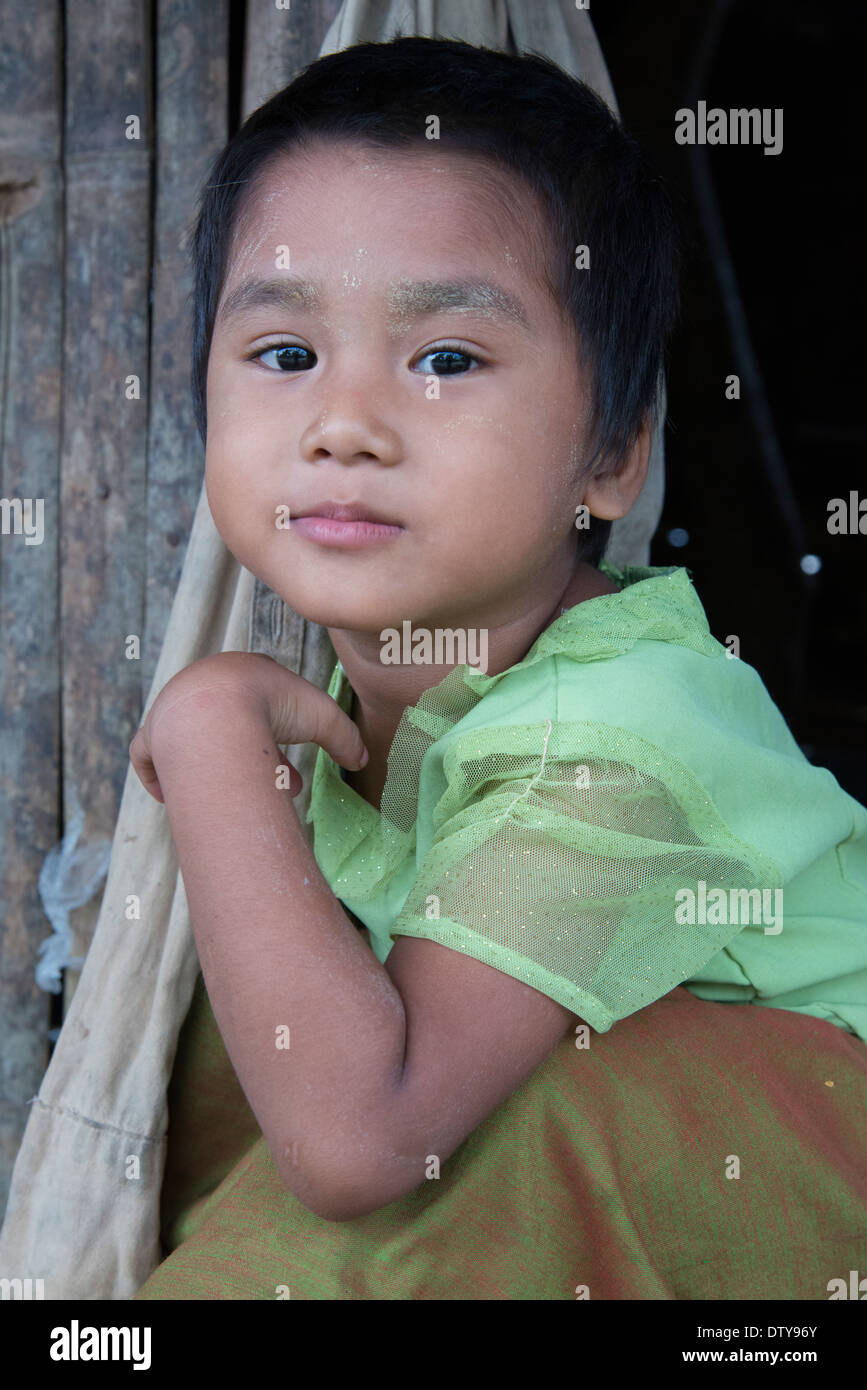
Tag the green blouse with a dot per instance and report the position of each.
(622, 811)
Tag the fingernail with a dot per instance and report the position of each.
(365, 758)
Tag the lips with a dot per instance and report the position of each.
(349, 511)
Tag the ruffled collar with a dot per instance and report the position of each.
(655, 603)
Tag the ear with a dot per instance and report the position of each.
(614, 494)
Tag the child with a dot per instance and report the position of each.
(583, 844)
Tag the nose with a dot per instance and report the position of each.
(350, 428)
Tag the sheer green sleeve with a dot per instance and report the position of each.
(567, 855)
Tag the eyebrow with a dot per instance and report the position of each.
(407, 299)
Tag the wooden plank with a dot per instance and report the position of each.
(31, 319)
(279, 43)
(192, 63)
(107, 167)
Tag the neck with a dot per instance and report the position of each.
(383, 692)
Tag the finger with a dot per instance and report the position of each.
(340, 736)
(308, 714)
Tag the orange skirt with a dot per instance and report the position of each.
(695, 1151)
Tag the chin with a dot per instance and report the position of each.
(315, 608)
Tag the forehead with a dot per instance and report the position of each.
(351, 207)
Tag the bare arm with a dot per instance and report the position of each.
(278, 952)
(385, 1065)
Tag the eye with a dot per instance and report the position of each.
(451, 351)
(287, 360)
(290, 357)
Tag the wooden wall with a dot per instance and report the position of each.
(110, 115)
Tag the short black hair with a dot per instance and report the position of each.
(524, 115)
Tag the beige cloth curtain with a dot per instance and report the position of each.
(83, 1211)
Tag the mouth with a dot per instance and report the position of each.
(340, 511)
(343, 525)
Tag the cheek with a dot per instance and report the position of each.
(218, 492)
(511, 473)
(227, 481)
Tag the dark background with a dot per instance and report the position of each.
(794, 228)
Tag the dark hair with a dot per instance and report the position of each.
(524, 115)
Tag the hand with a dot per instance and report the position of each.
(295, 710)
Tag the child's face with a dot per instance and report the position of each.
(484, 481)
